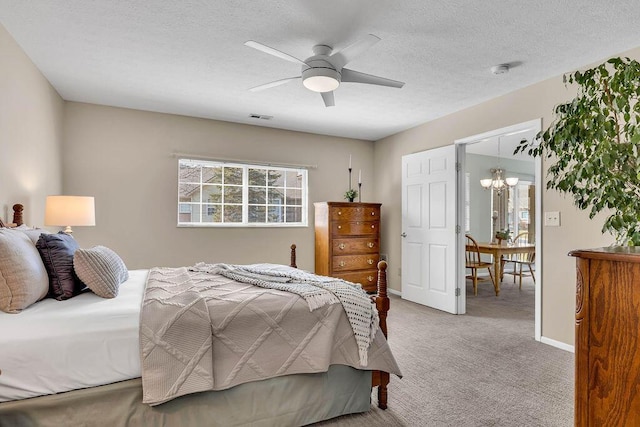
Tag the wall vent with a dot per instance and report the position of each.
(260, 116)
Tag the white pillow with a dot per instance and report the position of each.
(101, 269)
(23, 278)
(32, 233)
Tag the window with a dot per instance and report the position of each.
(511, 209)
(233, 194)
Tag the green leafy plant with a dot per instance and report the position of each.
(503, 234)
(594, 142)
(350, 194)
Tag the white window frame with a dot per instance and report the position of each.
(245, 195)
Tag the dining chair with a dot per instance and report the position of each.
(474, 263)
(520, 260)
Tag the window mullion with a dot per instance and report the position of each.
(245, 195)
(201, 204)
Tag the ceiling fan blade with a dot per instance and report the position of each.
(271, 51)
(328, 99)
(358, 77)
(273, 84)
(349, 53)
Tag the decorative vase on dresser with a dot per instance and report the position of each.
(607, 342)
(348, 241)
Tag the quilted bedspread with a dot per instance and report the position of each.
(202, 331)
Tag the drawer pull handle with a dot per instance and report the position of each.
(341, 246)
(373, 226)
(339, 212)
(339, 227)
(373, 214)
(370, 278)
(370, 261)
(370, 244)
(342, 263)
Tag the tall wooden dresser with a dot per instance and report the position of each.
(607, 342)
(348, 241)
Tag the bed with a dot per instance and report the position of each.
(89, 373)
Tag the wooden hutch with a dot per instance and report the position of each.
(607, 342)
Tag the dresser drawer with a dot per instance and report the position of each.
(355, 228)
(354, 213)
(355, 246)
(354, 262)
(368, 279)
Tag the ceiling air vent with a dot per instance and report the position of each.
(260, 116)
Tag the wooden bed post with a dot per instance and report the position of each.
(382, 300)
(17, 214)
(293, 257)
(380, 378)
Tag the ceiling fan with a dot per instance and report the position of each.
(324, 70)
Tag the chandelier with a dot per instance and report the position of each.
(498, 182)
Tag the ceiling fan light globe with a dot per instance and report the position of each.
(321, 83)
(320, 78)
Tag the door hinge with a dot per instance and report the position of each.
(457, 229)
(457, 166)
(457, 292)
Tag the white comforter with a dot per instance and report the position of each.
(55, 346)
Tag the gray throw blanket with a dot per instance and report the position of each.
(317, 291)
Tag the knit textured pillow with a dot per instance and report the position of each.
(101, 269)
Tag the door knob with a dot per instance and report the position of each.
(404, 235)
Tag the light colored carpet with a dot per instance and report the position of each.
(479, 369)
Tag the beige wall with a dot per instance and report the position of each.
(123, 158)
(30, 134)
(576, 230)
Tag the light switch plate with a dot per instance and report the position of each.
(552, 219)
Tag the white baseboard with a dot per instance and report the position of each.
(557, 344)
(394, 292)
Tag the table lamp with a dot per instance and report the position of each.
(67, 211)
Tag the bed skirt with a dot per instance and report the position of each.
(291, 400)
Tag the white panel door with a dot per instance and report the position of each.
(429, 228)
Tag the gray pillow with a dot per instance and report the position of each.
(57, 252)
(101, 269)
(23, 278)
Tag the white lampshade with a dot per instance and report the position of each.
(67, 211)
(486, 183)
(512, 181)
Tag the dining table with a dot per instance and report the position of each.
(499, 250)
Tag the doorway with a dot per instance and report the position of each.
(515, 209)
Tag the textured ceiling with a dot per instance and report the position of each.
(188, 57)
